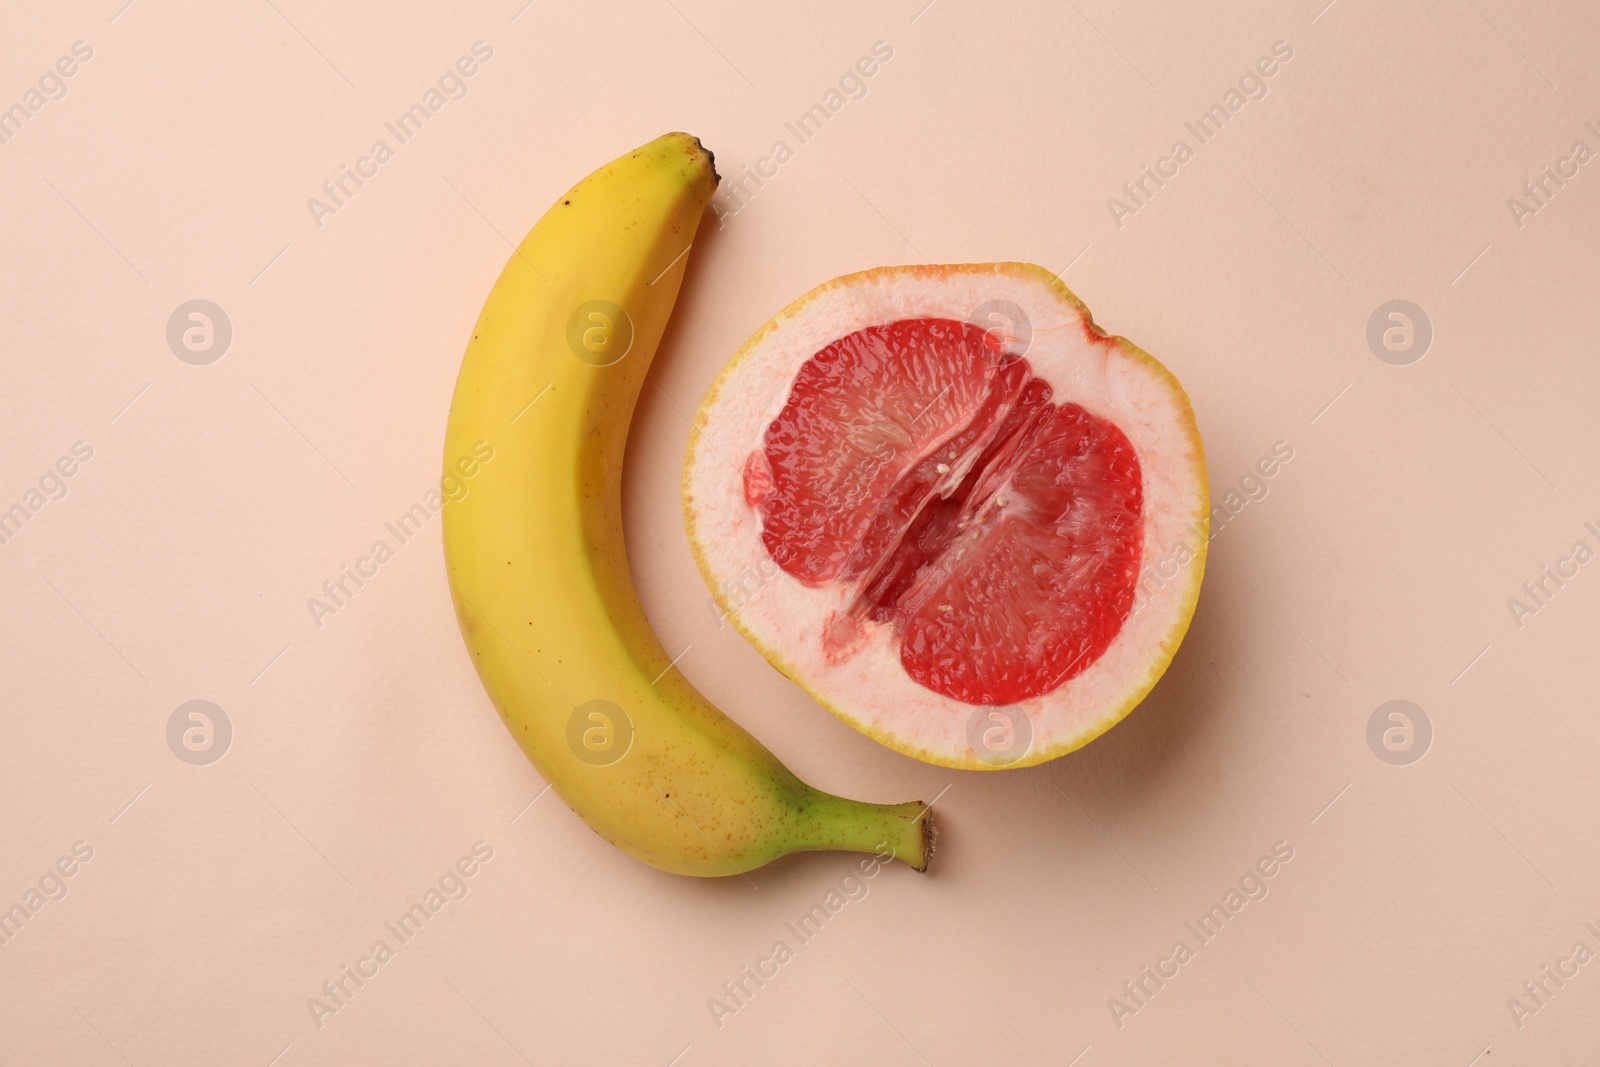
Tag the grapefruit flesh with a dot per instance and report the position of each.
(929, 512)
(929, 469)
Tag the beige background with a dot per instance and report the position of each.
(365, 758)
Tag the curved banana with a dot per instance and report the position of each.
(535, 551)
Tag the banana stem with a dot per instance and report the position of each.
(891, 831)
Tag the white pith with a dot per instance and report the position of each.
(784, 618)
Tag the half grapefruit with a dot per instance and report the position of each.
(952, 509)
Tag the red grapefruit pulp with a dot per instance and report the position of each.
(924, 492)
(922, 464)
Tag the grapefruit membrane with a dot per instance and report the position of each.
(935, 496)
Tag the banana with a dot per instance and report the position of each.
(535, 554)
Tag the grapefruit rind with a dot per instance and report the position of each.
(1108, 375)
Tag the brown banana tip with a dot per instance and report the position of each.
(930, 839)
(711, 157)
